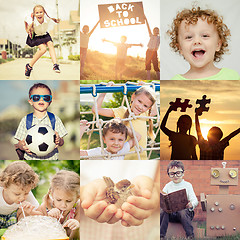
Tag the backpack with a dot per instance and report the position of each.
(30, 119)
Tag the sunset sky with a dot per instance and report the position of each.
(224, 110)
(135, 34)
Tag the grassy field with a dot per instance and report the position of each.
(100, 66)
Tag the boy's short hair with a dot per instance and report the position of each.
(39, 85)
(175, 163)
(191, 17)
(115, 126)
(19, 173)
(124, 38)
(216, 131)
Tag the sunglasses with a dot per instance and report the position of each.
(178, 174)
(36, 98)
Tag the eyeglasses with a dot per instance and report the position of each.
(178, 174)
(37, 97)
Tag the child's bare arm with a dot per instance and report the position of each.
(137, 45)
(107, 112)
(233, 134)
(105, 40)
(148, 27)
(198, 129)
(164, 122)
(58, 141)
(90, 33)
(132, 141)
(83, 153)
(84, 125)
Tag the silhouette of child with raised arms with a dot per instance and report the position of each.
(151, 53)
(213, 148)
(84, 39)
(183, 144)
(122, 48)
(201, 37)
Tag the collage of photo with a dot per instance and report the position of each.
(119, 120)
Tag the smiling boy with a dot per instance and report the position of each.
(175, 171)
(201, 37)
(114, 136)
(40, 98)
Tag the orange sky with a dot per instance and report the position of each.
(224, 110)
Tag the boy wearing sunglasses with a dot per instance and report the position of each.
(40, 98)
(175, 171)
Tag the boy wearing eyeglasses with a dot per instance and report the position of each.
(40, 98)
(175, 172)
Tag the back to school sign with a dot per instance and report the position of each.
(121, 14)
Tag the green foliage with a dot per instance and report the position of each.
(6, 60)
(74, 57)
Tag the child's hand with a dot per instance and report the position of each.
(84, 125)
(198, 111)
(56, 20)
(140, 83)
(104, 39)
(93, 202)
(139, 207)
(73, 224)
(22, 146)
(189, 205)
(27, 207)
(141, 45)
(54, 212)
(57, 139)
(109, 84)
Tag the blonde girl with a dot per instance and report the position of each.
(16, 182)
(63, 201)
(36, 28)
(142, 104)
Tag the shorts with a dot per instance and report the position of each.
(8, 220)
(151, 56)
(37, 40)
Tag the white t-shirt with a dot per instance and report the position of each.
(39, 29)
(6, 209)
(154, 42)
(97, 151)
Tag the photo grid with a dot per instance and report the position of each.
(81, 127)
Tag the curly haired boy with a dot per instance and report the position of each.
(201, 37)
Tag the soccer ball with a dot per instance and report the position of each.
(40, 139)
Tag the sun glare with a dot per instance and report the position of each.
(205, 132)
(134, 34)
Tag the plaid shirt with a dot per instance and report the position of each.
(21, 134)
(214, 151)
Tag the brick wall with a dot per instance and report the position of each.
(198, 174)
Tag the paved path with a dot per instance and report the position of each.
(42, 70)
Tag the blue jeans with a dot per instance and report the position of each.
(184, 217)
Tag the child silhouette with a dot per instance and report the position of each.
(122, 48)
(213, 148)
(183, 144)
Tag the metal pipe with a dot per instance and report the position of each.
(111, 89)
